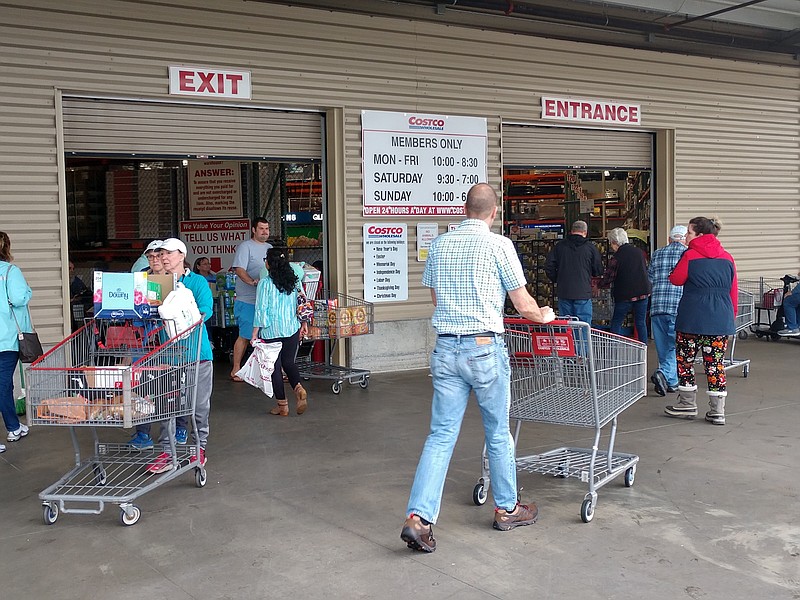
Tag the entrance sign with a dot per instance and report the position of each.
(214, 189)
(385, 262)
(420, 164)
(590, 111)
(209, 82)
(215, 239)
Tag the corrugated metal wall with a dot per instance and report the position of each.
(736, 124)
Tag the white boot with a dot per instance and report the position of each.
(686, 406)
(716, 401)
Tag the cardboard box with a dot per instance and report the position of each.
(164, 284)
(105, 377)
(120, 295)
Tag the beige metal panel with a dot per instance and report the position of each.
(527, 146)
(734, 121)
(118, 127)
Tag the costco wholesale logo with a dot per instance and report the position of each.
(385, 231)
(426, 124)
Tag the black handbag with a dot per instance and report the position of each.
(30, 348)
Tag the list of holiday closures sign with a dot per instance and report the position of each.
(385, 262)
(420, 164)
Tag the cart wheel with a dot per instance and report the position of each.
(49, 513)
(630, 476)
(131, 519)
(742, 335)
(99, 475)
(479, 494)
(745, 370)
(364, 383)
(200, 477)
(587, 510)
(337, 387)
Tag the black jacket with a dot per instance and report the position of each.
(630, 279)
(571, 265)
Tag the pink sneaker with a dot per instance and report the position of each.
(202, 457)
(161, 464)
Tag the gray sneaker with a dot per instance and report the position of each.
(789, 332)
(522, 514)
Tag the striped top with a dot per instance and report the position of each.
(276, 312)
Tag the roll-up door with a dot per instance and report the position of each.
(95, 126)
(566, 147)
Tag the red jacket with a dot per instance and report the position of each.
(710, 288)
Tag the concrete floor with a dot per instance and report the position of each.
(311, 507)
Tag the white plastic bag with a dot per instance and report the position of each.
(179, 310)
(257, 371)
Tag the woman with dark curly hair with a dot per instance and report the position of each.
(706, 317)
(276, 321)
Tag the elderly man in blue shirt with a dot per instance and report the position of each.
(470, 270)
(664, 307)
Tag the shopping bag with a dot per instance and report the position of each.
(30, 348)
(305, 308)
(179, 310)
(257, 371)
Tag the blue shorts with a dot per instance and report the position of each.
(244, 313)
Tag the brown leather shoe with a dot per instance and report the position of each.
(418, 536)
(522, 514)
(280, 410)
(301, 395)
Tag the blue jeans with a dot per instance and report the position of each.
(790, 309)
(458, 366)
(8, 362)
(664, 335)
(576, 308)
(621, 310)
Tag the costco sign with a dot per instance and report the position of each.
(209, 82)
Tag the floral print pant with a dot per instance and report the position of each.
(713, 349)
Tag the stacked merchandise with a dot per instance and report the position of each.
(223, 307)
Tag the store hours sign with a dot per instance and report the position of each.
(420, 164)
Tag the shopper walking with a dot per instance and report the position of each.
(247, 263)
(706, 317)
(664, 308)
(571, 264)
(627, 271)
(14, 297)
(276, 321)
(173, 255)
(470, 270)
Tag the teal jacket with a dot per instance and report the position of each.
(13, 289)
(276, 312)
(198, 285)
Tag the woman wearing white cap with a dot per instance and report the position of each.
(173, 255)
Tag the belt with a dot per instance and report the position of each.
(481, 334)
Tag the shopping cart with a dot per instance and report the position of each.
(336, 316)
(767, 301)
(116, 374)
(743, 321)
(566, 373)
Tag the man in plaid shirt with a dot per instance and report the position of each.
(664, 307)
(470, 271)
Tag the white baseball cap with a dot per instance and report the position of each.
(678, 232)
(173, 244)
(154, 245)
